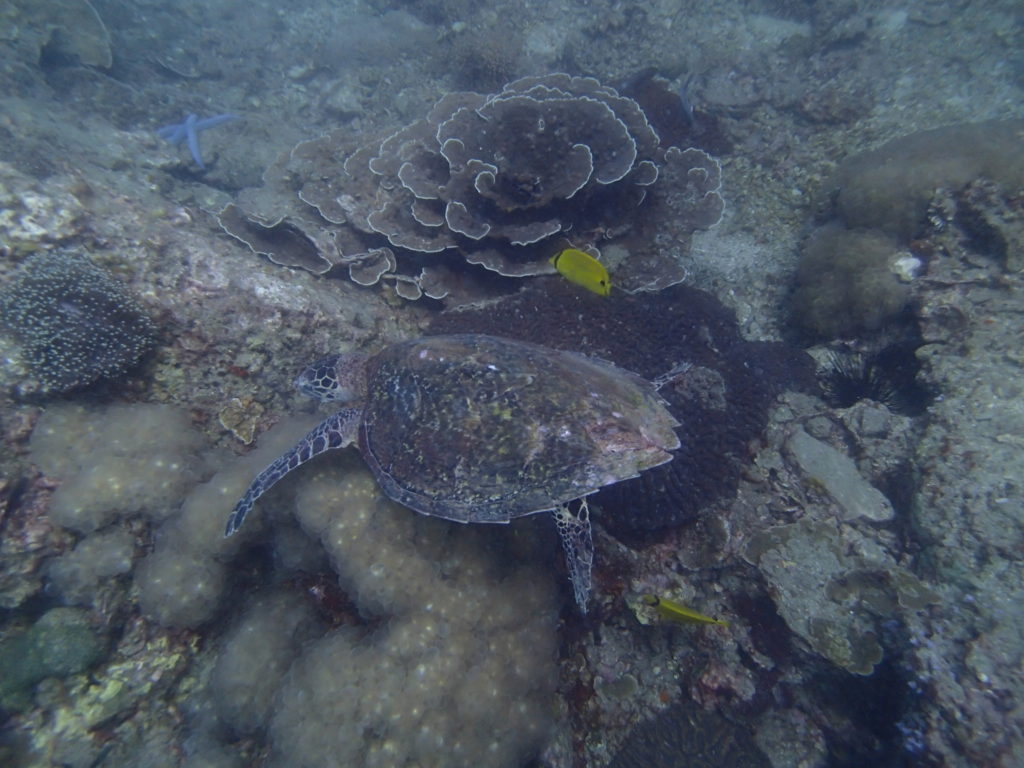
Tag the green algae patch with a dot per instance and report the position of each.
(61, 643)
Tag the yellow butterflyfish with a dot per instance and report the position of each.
(669, 609)
(581, 268)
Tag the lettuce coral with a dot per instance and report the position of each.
(491, 181)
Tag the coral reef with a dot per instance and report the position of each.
(963, 660)
(78, 575)
(257, 653)
(855, 276)
(450, 627)
(463, 664)
(483, 180)
(179, 588)
(785, 89)
(76, 323)
(182, 581)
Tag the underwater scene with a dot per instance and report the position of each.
(511, 384)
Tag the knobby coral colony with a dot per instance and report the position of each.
(492, 181)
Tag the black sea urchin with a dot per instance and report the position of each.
(887, 376)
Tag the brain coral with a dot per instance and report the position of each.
(484, 180)
(76, 323)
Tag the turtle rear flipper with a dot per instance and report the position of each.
(574, 531)
(336, 431)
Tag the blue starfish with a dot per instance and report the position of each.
(188, 131)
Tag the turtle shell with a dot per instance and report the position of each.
(483, 429)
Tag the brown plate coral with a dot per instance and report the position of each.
(491, 181)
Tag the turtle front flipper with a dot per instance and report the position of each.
(337, 431)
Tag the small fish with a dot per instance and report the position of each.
(686, 100)
(581, 268)
(669, 609)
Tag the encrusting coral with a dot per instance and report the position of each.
(482, 180)
(889, 188)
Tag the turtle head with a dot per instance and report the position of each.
(338, 378)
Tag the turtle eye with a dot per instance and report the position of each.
(315, 381)
(320, 380)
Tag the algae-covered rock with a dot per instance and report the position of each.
(833, 587)
(836, 473)
(684, 734)
(61, 643)
(69, 29)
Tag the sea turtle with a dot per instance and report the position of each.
(482, 429)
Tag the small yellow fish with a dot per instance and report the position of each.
(581, 268)
(668, 609)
